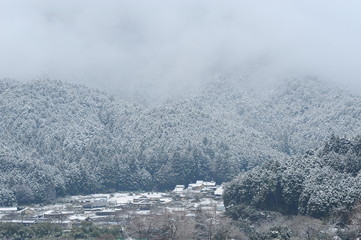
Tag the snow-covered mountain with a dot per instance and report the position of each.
(58, 138)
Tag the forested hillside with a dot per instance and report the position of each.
(59, 138)
(296, 114)
(316, 184)
(302, 113)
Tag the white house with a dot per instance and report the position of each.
(179, 188)
(196, 186)
(27, 211)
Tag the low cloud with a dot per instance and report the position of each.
(169, 46)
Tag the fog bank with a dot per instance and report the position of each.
(166, 47)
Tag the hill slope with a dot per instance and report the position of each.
(316, 184)
(302, 113)
(59, 138)
(78, 140)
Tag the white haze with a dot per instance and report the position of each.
(165, 47)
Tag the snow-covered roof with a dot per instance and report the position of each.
(166, 200)
(219, 191)
(179, 188)
(78, 217)
(107, 211)
(7, 209)
(26, 209)
(175, 209)
(209, 184)
(19, 221)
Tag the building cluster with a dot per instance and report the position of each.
(118, 208)
(201, 187)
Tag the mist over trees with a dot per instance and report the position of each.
(59, 138)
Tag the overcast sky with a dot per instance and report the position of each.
(166, 45)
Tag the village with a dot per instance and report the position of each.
(118, 208)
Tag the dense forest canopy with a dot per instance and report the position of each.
(315, 184)
(59, 138)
